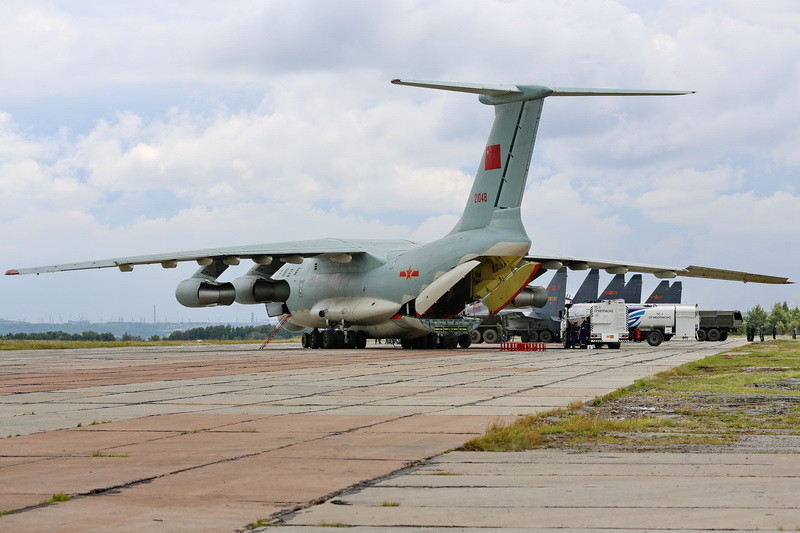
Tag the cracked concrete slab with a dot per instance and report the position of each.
(213, 438)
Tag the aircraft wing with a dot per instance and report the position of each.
(338, 250)
(552, 262)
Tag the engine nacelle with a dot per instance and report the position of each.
(534, 296)
(257, 290)
(195, 292)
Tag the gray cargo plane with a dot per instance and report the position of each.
(348, 290)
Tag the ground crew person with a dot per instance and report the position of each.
(584, 333)
(761, 332)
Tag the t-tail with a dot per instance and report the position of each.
(499, 184)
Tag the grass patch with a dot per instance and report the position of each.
(390, 504)
(711, 402)
(332, 524)
(60, 497)
(100, 454)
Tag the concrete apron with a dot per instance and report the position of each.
(206, 438)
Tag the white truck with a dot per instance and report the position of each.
(656, 323)
(607, 323)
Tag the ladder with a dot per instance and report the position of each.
(275, 331)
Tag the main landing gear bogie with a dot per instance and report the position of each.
(330, 339)
(333, 338)
(433, 341)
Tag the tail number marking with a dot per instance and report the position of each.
(481, 197)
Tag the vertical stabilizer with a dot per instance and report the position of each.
(556, 295)
(633, 290)
(660, 293)
(614, 289)
(588, 289)
(676, 292)
(503, 170)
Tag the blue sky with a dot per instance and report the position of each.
(143, 127)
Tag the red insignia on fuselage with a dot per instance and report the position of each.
(409, 273)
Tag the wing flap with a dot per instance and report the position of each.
(664, 272)
(338, 250)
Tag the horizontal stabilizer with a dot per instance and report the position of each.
(573, 91)
(474, 88)
(536, 91)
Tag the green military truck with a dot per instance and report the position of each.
(717, 325)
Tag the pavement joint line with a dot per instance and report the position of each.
(103, 490)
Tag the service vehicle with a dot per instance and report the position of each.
(532, 325)
(607, 321)
(658, 323)
(715, 325)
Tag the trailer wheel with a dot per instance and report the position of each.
(614, 346)
(713, 335)
(525, 337)
(654, 337)
(490, 336)
(475, 336)
(545, 336)
(701, 335)
(723, 335)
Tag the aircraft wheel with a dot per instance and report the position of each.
(701, 335)
(361, 339)
(545, 336)
(350, 339)
(338, 338)
(315, 339)
(328, 339)
(464, 340)
(407, 344)
(713, 335)
(475, 336)
(305, 340)
(654, 337)
(490, 336)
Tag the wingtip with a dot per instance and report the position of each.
(12, 272)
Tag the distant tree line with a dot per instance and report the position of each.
(223, 332)
(61, 336)
(781, 315)
(228, 333)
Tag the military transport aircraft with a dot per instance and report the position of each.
(348, 290)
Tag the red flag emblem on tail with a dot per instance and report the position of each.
(409, 273)
(492, 158)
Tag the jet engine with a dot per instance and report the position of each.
(197, 292)
(256, 290)
(531, 296)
